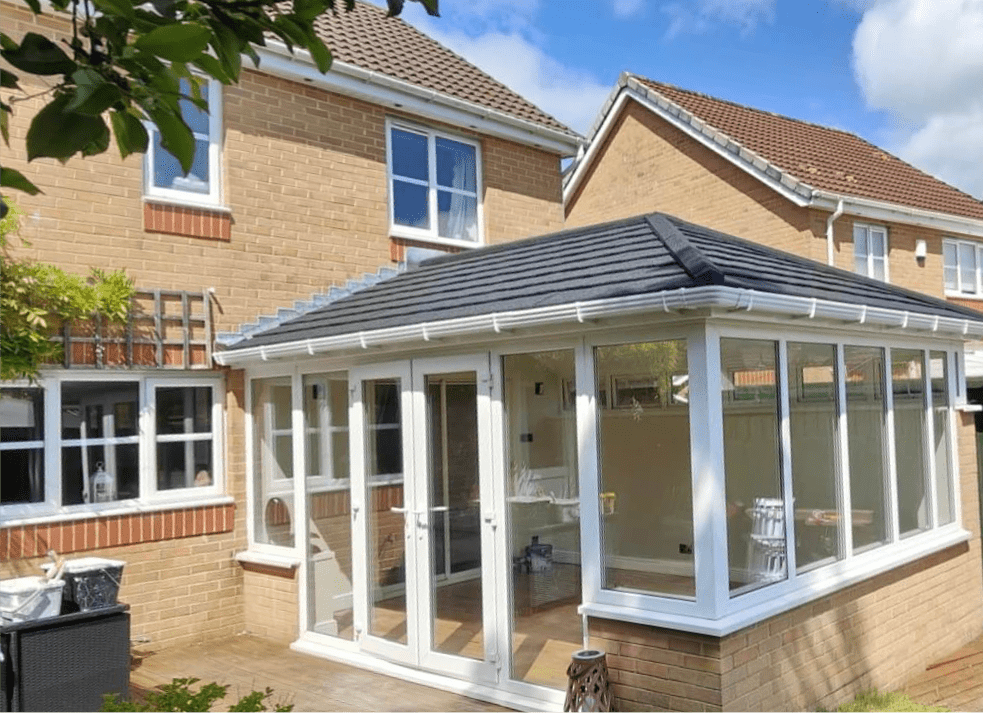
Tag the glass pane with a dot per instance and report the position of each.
(410, 205)
(91, 412)
(22, 471)
(940, 412)
(329, 552)
(196, 119)
(866, 419)
(455, 514)
(168, 173)
(543, 514)
(457, 216)
(860, 249)
(880, 268)
(272, 461)
(386, 525)
(184, 464)
(967, 267)
(908, 372)
(184, 410)
(21, 415)
(456, 165)
(878, 243)
(646, 478)
(756, 533)
(409, 155)
(813, 422)
(949, 266)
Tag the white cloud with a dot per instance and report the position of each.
(701, 15)
(626, 9)
(922, 62)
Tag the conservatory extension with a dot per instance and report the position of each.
(643, 433)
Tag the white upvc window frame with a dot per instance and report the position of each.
(961, 291)
(327, 480)
(431, 235)
(51, 509)
(872, 230)
(214, 197)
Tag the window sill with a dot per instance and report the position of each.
(188, 203)
(268, 559)
(123, 507)
(812, 585)
(975, 296)
(424, 240)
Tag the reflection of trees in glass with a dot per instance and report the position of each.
(644, 372)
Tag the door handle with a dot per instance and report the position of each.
(440, 508)
(401, 511)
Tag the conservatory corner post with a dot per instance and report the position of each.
(709, 478)
(844, 496)
(892, 475)
(587, 461)
(300, 524)
(928, 438)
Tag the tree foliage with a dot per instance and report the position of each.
(126, 60)
(35, 298)
(177, 696)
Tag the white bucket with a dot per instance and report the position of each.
(30, 598)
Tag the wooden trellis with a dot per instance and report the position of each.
(166, 329)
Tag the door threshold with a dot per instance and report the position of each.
(552, 699)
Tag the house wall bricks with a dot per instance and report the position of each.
(875, 634)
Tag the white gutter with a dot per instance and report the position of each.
(893, 212)
(728, 298)
(829, 232)
(378, 88)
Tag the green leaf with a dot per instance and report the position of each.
(5, 113)
(93, 93)
(9, 178)
(177, 43)
(8, 80)
(35, 6)
(123, 8)
(212, 67)
(99, 144)
(227, 47)
(175, 136)
(309, 9)
(55, 133)
(289, 31)
(131, 135)
(38, 55)
(319, 53)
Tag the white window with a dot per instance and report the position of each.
(434, 186)
(163, 175)
(961, 263)
(79, 443)
(870, 251)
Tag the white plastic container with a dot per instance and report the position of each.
(93, 582)
(30, 598)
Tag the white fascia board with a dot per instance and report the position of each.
(720, 143)
(377, 88)
(895, 213)
(719, 297)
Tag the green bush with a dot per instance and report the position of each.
(177, 696)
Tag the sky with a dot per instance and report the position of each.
(906, 75)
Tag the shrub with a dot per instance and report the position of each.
(177, 696)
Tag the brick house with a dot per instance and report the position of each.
(830, 196)
(304, 186)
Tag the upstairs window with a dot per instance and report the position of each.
(961, 261)
(164, 177)
(434, 186)
(870, 251)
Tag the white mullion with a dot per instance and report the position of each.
(413, 181)
(892, 481)
(22, 446)
(52, 452)
(301, 526)
(180, 437)
(845, 496)
(977, 254)
(953, 445)
(188, 423)
(785, 429)
(591, 531)
(928, 439)
(432, 190)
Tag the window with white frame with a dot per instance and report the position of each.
(961, 263)
(77, 442)
(164, 175)
(434, 185)
(273, 468)
(870, 251)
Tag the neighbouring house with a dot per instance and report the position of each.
(736, 470)
(304, 187)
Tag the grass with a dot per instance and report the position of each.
(875, 701)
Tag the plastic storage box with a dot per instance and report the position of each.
(29, 598)
(92, 582)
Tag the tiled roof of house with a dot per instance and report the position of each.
(824, 158)
(365, 37)
(639, 256)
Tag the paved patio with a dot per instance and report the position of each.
(955, 682)
(247, 663)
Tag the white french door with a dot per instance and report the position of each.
(424, 531)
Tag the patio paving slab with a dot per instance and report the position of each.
(955, 682)
(246, 663)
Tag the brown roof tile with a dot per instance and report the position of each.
(824, 158)
(365, 37)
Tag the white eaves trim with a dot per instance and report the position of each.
(377, 88)
(800, 193)
(715, 297)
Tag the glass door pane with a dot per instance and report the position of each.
(455, 514)
(385, 509)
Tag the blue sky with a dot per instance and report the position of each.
(904, 74)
